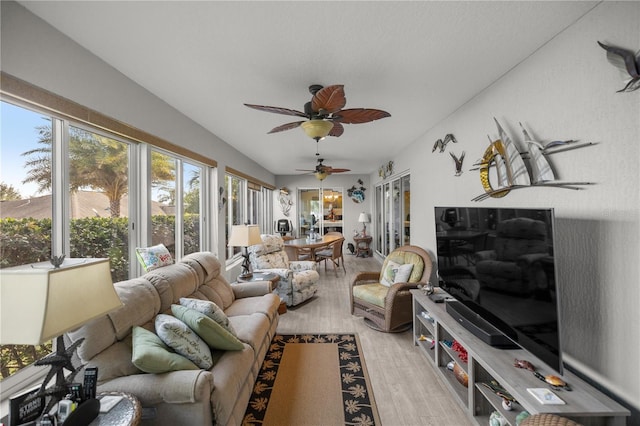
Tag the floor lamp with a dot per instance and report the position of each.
(40, 302)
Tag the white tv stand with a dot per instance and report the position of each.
(584, 403)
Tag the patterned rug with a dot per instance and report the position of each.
(313, 379)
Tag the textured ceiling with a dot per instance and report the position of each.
(418, 60)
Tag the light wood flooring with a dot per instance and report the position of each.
(405, 386)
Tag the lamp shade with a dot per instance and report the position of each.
(363, 218)
(39, 302)
(317, 129)
(244, 236)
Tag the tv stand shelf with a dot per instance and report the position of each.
(485, 363)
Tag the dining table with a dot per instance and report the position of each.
(305, 248)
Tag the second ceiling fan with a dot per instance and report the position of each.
(321, 171)
(324, 113)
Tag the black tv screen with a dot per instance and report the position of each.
(499, 263)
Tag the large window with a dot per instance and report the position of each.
(68, 188)
(248, 202)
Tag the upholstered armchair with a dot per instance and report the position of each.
(516, 264)
(298, 279)
(383, 298)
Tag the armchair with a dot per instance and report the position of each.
(516, 263)
(383, 298)
(298, 279)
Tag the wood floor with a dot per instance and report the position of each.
(405, 386)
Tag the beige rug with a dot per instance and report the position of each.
(313, 379)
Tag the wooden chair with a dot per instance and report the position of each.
(332, 253)
(385, 307)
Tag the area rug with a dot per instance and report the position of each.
(313, 379)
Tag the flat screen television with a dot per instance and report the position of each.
(498, 264)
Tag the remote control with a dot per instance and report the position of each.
(90, 382)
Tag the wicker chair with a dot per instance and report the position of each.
(388, 308)
(332, 254)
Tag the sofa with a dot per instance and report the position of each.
(298, 278)
(215, 396)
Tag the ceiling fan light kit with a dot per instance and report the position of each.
(317, 129)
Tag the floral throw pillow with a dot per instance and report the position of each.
(211, 310)
(396, 273)
(178, 336)
(154, 257)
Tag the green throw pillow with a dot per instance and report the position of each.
(211, 310)
(151, 355)
(210, 331)
(179, 336)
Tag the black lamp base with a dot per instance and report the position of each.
(84, 414)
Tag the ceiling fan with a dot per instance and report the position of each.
(324, 113)
(321, 171)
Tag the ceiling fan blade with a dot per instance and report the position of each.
(277, 110)
(360, 115)
(284, 127)
(337, 130)
(332, 170)
(330, 99)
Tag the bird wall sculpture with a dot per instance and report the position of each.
(628, 62)
(458, 162)
(441, 144)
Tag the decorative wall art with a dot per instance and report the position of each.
(222, 200)
(503, 168)
(441, 144)
(386, 170)
(284, 197)
(357, 193)
(628, 63)
(458, 162)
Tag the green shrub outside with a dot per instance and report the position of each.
(24, 241)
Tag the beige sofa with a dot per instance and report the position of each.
(189, 397)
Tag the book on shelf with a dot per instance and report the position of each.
(545, 396)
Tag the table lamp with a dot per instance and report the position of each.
(39, 302)
(245, 236)
(364, 219)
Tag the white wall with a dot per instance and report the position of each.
(566, 90)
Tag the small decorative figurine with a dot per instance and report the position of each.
(56, 261)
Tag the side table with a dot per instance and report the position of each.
(266, 276)
(363, 246)
(127, 412)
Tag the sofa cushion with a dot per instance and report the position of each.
(210, 331)
(151, 355)
(266, 305)
(172, 283)
(115, 361)
(371, 293)
(252, 329)
(211, 310)
(177, 335)
(154, 257)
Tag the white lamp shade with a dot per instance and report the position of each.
(244, 236)
(39, 303)
(364, 218)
